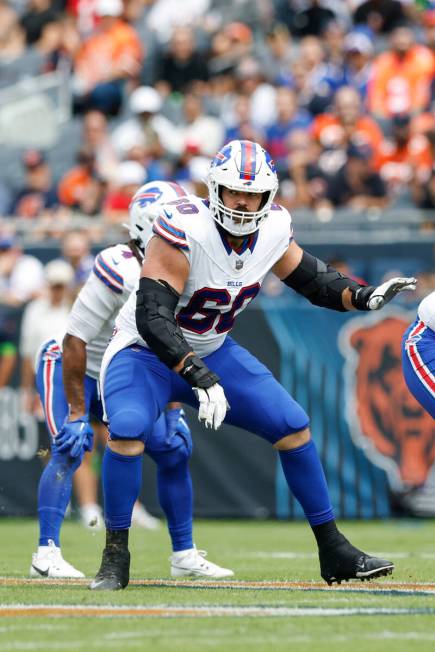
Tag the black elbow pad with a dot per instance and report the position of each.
(320, 283)
(156, 323)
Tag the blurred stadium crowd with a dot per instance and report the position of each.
(341, 92)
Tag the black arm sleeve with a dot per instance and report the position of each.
(321, 284)
(156, 323)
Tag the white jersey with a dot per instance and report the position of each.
(221, 282)
(92, 318)
(426, 310)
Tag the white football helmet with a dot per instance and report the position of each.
(244, 166)
(144, 206)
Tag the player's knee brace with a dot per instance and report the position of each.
(171, 458)
(129, 424)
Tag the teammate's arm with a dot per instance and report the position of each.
(163, 277)
(74, 370)
(324, 286)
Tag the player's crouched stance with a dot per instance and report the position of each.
(205, 265)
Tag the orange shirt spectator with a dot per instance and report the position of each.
(329, 132)
(404, 158)
(80, 187)
(401, 77)
(113, 52)
(346, 125)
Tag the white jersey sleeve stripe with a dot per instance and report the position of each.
(170, 234)
(106, 275)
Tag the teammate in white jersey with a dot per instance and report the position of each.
(418, 355)
(206, 263)
(67, 384)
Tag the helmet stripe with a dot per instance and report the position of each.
(248, 161)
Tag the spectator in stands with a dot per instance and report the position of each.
(311, 77)
(76, 251)
(129, 177)
(356, 185)
(44, 317)
(312, 20)
(38, 196)
(147, 131)
(381, 16)
(230, 44)
(304, 183)
(96, 138)
(105, 60)
(21, 275)
(241, 126)
(404, 160)
(402, 76)
(278, 54)
(288, 119)
(334, 132)
(251, 82)
(81, 188)
(198, 129)
(21, 278)
(182, 65)
(16, 61)
(39, 13)
(424, 193)
(358, 49)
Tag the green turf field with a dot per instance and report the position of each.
(259, 613)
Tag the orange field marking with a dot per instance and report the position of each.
(272, 585)
(166, 611)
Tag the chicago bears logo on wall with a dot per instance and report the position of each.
(384, 419)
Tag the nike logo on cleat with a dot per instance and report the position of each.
(43, 573)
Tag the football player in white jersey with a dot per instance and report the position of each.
(68, 387)
(205, 263)
(418, 355)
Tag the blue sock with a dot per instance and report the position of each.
(54, 494)
(122, 479)
(174, 486)
(306, 480)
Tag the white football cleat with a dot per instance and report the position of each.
(48, 562)
(91, 516)
(141, 518)
(192, 563)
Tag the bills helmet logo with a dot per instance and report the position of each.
(149, 197)
(222, 156)
(384, 419)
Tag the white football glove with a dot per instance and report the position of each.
(213, 405)
(373, 298)
(388, 290)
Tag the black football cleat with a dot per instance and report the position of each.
(341, 561)
(114, 573)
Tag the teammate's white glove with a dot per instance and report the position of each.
(213, 405)
(371, 298)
